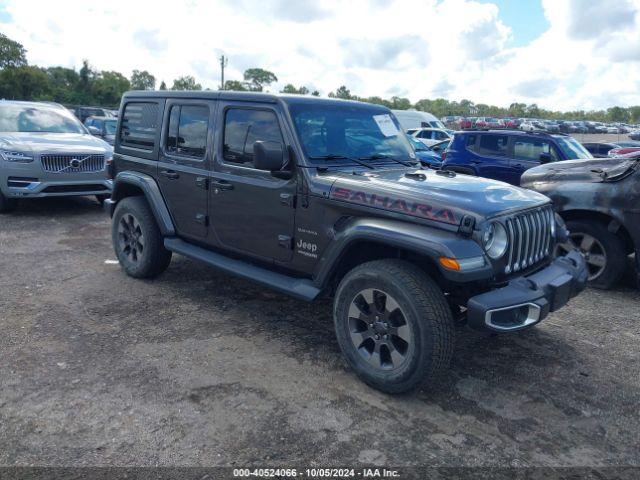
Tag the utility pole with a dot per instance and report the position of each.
(223, 63)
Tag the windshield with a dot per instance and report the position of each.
(349, 131)
(572, 149)
(110, 127)
(22, 118)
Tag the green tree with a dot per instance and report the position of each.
(258, 78)
(634, 114)
(12, 53)
(617, 114)
(342, 92)
(63, 84)
(235, 85)
(107, 88)
(163, 86)
(142, 80)
(24, 83)
(186, 83)
(289, 88)
(315, 93)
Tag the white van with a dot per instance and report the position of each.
(414, 119)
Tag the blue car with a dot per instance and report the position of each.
(428, 156)
(506, 154)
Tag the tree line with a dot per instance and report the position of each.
(88, 86)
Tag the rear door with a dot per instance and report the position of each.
(492, 160)
(184, 163)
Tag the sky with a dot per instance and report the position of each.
(559, 54)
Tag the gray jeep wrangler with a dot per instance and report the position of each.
(318, 197)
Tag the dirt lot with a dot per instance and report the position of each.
(198, 368)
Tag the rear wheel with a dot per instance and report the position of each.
(7, 204)
(604, 251)
(393, 324)
(137, 240)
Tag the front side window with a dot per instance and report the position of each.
(530, 149)
(349, 131)
(187, 131)
(493, 144)
(45, 119)
(244, 127)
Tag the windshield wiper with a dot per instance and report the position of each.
(380, 156)
(333, 156)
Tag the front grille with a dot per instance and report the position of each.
(72, 163)
(529, 238)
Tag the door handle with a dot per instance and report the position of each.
(170, 174)
(221, 185)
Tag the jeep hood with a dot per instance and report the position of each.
(598, 170)
(36, 142)
(432, 194)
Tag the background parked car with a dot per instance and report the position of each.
(82, 113)
(489, 122)
(431, 136)
(619, 151)
(599, 149)
(506, 154)
(45, 151)
(103, 127)
(427, 156)
(410, 119)
(594, 198)
(635, 135)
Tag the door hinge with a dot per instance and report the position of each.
(202, 219)
(285, 241)
(288, 200)
(202, 182)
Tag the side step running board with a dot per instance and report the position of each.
(301, 288)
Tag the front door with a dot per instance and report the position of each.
(252, 211)
(184, 163)
(526, 154)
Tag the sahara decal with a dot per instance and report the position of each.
(395, 204)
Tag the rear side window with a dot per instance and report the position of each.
(244, 127)
(493, 144)
(139, 125)
(187, 131)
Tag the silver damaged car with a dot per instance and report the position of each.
(46, 152)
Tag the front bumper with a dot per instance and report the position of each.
(34, 188)
(527, 300)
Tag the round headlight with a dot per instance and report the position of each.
(495, 240)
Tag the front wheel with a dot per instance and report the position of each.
(137, 240)
(393, 324)
(604, 251)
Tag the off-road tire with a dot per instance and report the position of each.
(427, 314)
(7, 204)
(614, 248)
(153, 259)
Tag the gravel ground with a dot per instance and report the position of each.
(198, 368)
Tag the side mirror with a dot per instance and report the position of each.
(545, 158)
(268, 156)
(94, 131)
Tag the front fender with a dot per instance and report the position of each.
(423, 240)
(151, 191)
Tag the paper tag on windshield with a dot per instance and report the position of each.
(386, 125)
